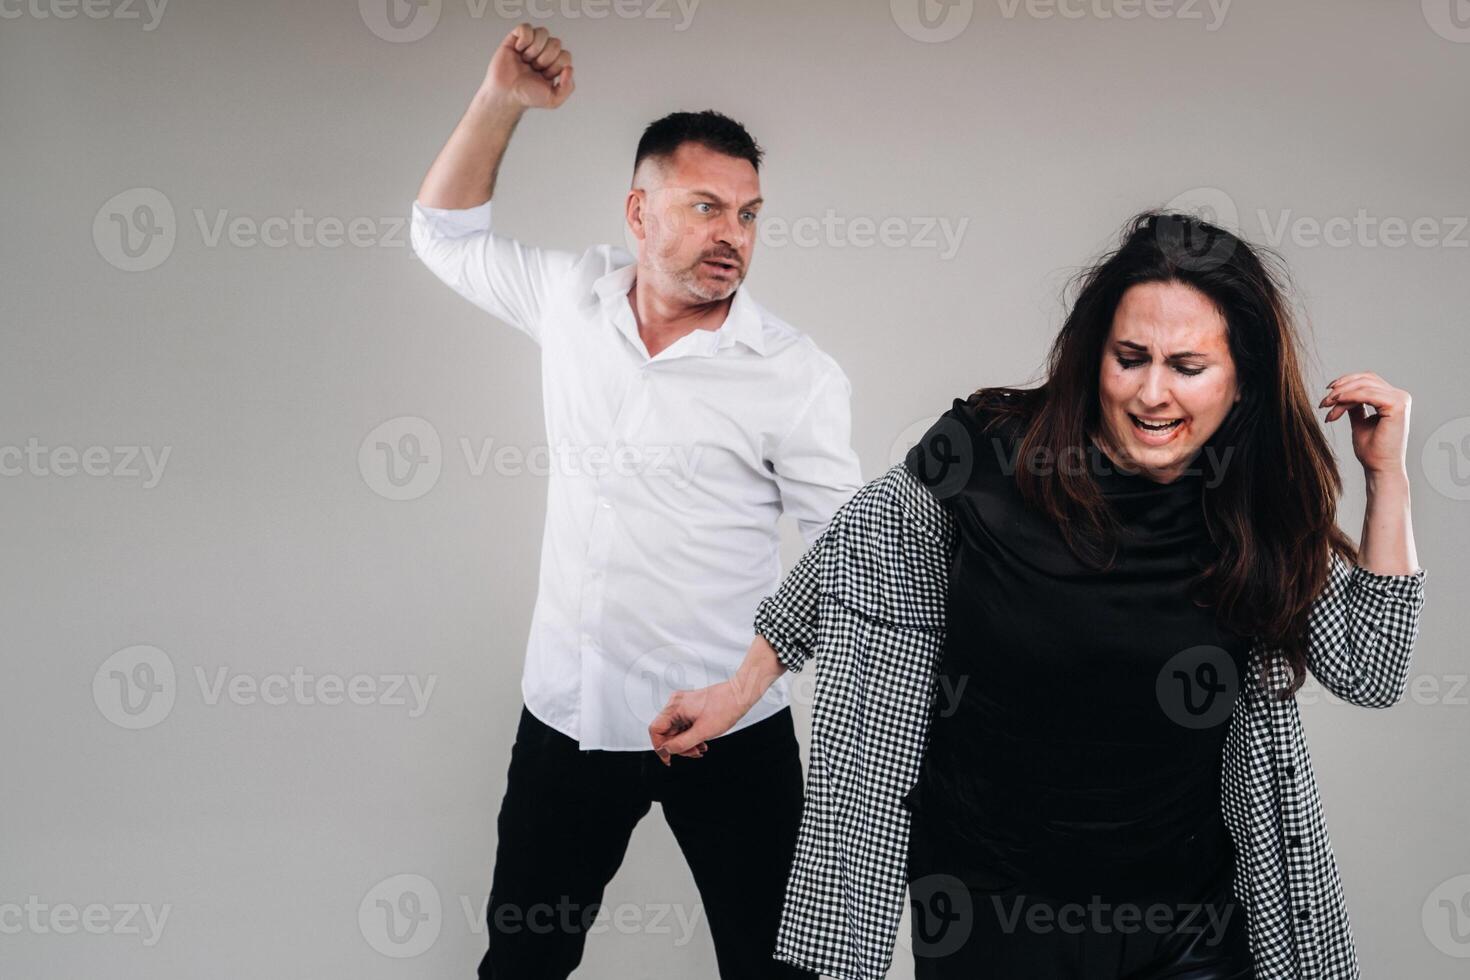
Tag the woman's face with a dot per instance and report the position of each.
(1166, 363)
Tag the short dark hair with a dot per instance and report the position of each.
(709, 128)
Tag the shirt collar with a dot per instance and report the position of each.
(743, 322)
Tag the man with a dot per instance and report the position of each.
(696, 418)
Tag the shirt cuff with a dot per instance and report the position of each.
(1406, 586)
(784, 634)
(452, 222)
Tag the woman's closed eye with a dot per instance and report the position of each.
(1126, 363)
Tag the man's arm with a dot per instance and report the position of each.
(815, 466)
(529, 70)
(450, 230)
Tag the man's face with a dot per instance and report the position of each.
(693, 214)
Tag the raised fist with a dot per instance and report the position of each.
(530, 69)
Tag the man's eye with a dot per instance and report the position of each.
(703, 204)
(748, 216)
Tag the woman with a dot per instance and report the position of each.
(1058, 649)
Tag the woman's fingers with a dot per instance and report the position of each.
(669, 722)
(1365, 391)
(675, 731)
(1342, 379)
(1356, 384)
(689, 743)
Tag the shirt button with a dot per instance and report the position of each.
(1294, 840)
(1304, 915)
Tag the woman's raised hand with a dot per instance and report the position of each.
(1381, 441)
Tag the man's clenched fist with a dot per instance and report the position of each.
(530, 69)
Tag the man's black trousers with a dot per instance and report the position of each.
(564, 827)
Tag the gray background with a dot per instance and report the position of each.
(266, 547)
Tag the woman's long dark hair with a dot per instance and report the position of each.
(1273, 514)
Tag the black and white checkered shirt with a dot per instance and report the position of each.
(866, 603)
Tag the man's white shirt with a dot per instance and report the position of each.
(668, 476)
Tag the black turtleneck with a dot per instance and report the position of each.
(1076, 742)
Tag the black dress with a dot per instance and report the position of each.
(1076, 744)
